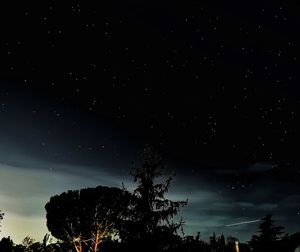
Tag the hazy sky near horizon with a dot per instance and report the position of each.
(25, 191)
(26, 186)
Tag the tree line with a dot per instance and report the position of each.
(111, 219)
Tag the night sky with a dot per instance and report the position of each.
(212, 85)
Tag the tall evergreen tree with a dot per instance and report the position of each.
(268, 235)
(153, 212)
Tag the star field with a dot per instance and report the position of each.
(213, 86)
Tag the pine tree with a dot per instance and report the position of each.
(153, 212)
(268, 236)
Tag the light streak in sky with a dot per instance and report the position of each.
(241, 223)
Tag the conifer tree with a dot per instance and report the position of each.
(268, 235)
(153, 211)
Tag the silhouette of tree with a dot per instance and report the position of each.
(30, 245)
(294, 242)
(84, 217)
(213, 242)
(19, 248)
(268, 236)
(193, 243)
(46, 240)
(152, 212)
(221, 243)
(6, 244)
(28, 241)
(35, 247)
(231, 243)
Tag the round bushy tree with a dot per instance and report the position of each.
(84, 217)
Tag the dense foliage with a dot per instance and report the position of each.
(85, 217)
(152, 213)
